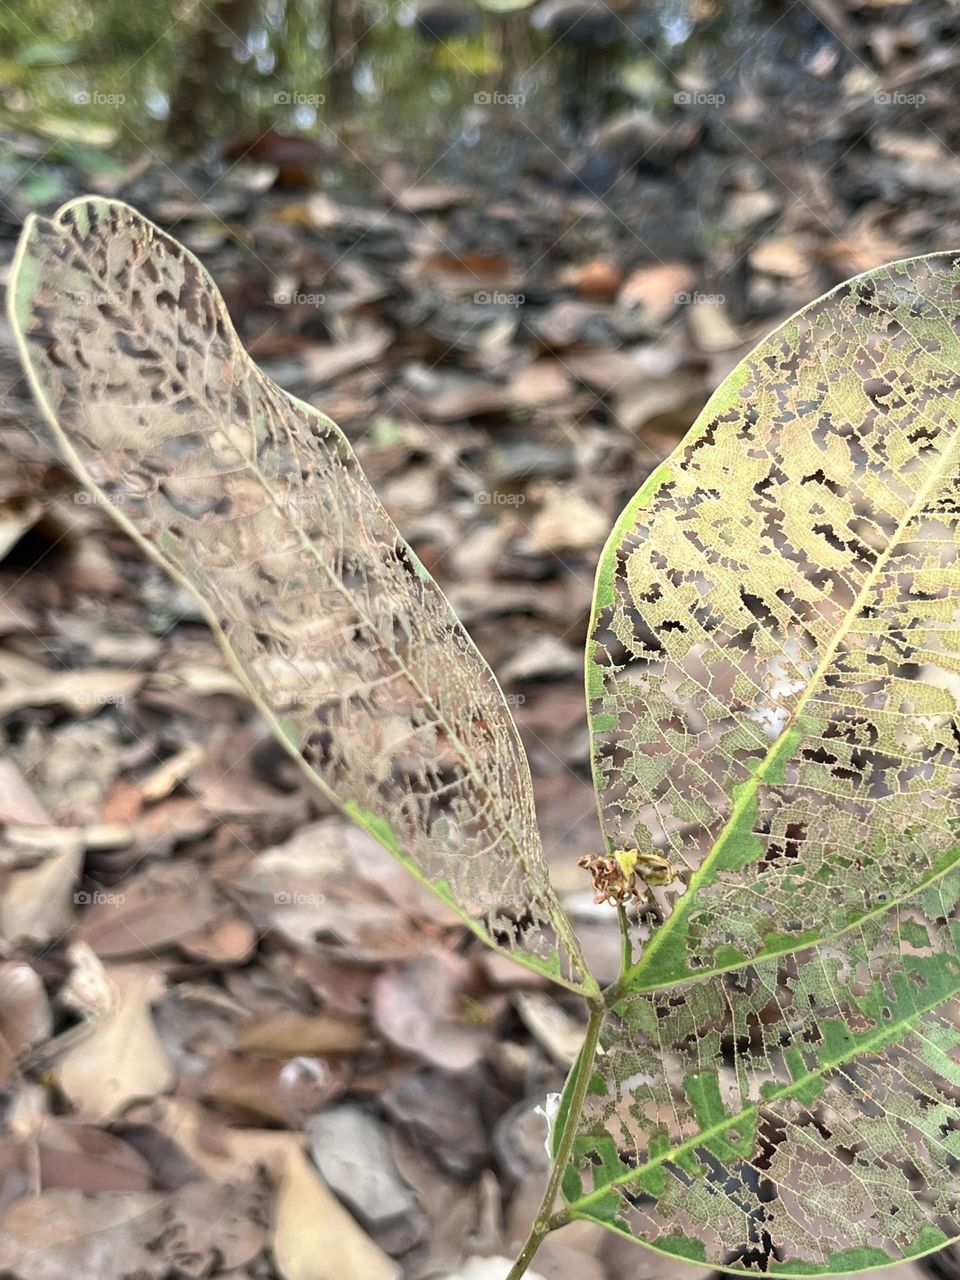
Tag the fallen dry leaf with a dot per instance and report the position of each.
(25, 1016)
(232, 941)
(271, 1089)
(657, 291)
(65, 1155)
(16, 517)
(452, 1207)
(202, 1228)
(542, 383)
(781, 256)
(568, 522)
(559, 1033)
(327, 362)
(159, 784)
(711, 326)
(37, 903)
(291, 1033)
(121, 1059)
(64, 1234)
(599, 279)
(28, 684)
(18, 803)
(419, 1008)
(88, 989)
(155, 908)
(313, 1237)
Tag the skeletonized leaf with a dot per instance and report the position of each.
(255, 502)
(774, 687)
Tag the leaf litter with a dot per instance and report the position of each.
(214, 994)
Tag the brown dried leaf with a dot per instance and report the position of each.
(25, 1017)
(121, 1059)
(421, 1008)
(81, 1157)
(313, 1236)
(162, 904)
(290, 1032)
(37, 904)
(28, 684)
(63, 1234)
(18, 803)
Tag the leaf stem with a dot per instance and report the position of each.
(626, 951)
(545, 1220)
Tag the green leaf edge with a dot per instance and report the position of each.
(846, 1262)
(22, 281)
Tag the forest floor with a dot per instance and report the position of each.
(204, 972)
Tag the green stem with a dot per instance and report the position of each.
(563, 1145)
(626, 951)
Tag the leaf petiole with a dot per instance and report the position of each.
(568, 1120)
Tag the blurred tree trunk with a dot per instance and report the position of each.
(204, 101)
(514, 49)
(346, 30)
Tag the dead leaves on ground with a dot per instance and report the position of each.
(204, 975)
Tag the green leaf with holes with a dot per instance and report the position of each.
(773, 681)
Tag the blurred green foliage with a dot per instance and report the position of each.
(118, 76)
